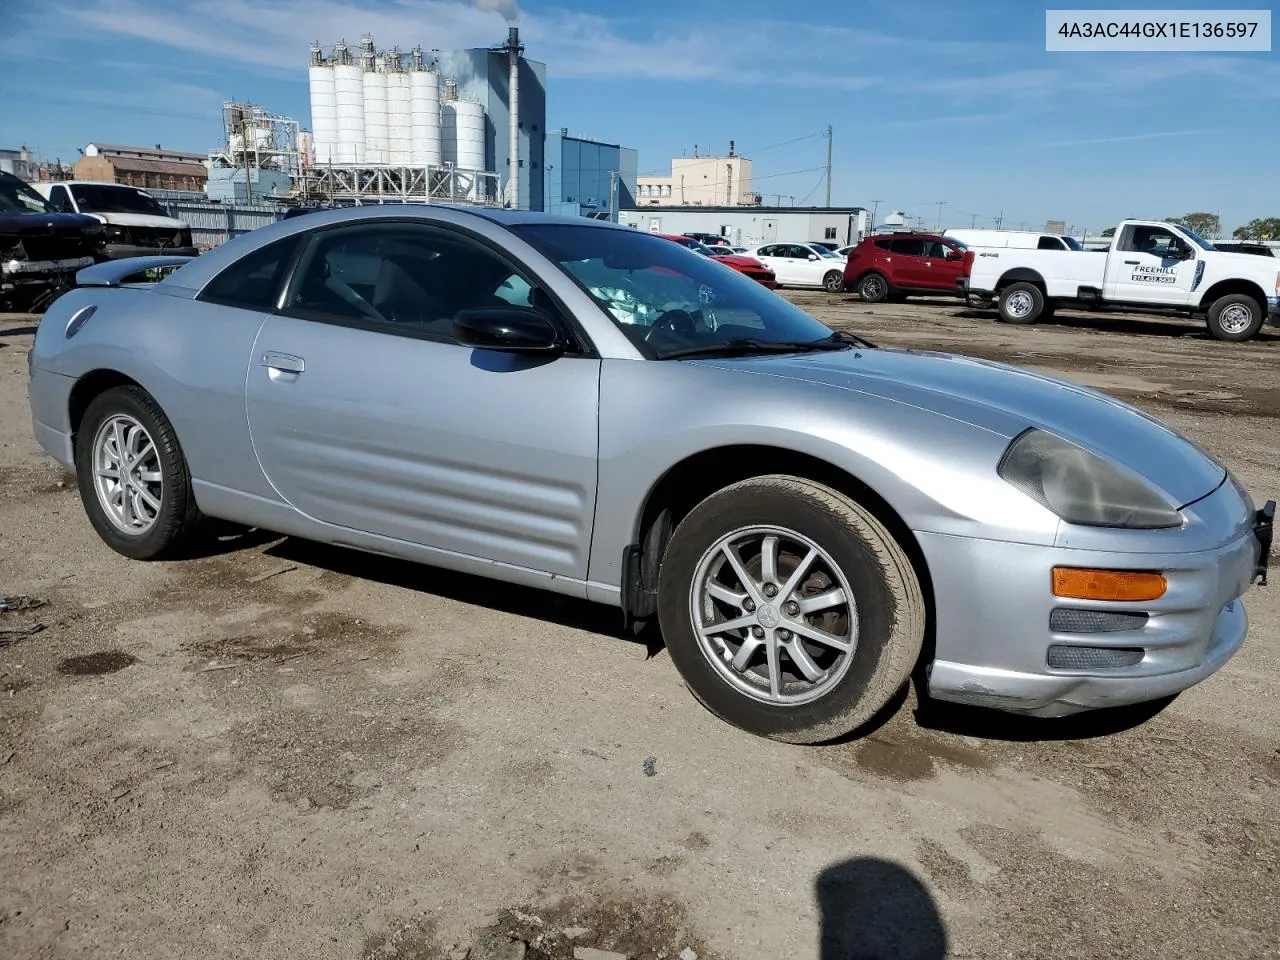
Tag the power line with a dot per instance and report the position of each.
(783, 143)
(815, 187)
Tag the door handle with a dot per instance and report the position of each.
(1132, 263)
(283, 363)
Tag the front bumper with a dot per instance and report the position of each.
(121, 251)
(36, 271)
(994, 601)
(1273, 311)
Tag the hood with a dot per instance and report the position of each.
(1253, 265)
(139, 220)
(47, 224)
(737, 260)
(1007, 400)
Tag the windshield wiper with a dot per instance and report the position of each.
(745, 346)
(844, 336)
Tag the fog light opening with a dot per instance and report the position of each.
(1080, 583)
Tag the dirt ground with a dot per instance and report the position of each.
(283, 750)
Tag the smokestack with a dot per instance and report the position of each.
(513, 105)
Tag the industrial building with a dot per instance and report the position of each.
(143, 167)
(463, 126)
(701, 182)
(586, 177)
(752, 226)
(260, 158)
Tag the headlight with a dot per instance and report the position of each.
(1081, 487)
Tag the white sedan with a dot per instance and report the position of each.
(803, 265)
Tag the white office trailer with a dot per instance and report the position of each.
(752, 226)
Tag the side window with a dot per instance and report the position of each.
(1049, 243)
(884, 244)
(935, 249)
(253, 282)
(61, 200)
(1154, 240)
(798, 252)
(770, 251)
(909, 246)
(401, 277)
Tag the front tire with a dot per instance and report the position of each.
(1234, 318)
(833, 281)
(789, 609)
(873, 288)
(1021, 303)
(132, 475)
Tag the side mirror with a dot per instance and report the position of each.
(813, 256)
(954, 255)
(509, 329)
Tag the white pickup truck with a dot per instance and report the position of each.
(1150, 266)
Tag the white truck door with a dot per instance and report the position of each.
(1149, 264)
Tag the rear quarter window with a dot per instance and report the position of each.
(253, 282)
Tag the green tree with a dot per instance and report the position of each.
(1208, 225)
(1109, 233)
(1261, 228)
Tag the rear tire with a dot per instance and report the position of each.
(1235, 317)
(1021, 303)
(151, 513)
(856, 582)
(873, 288)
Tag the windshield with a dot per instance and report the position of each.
(17, 197)
(1072, 243)
(1200, 241)
(667, 299)
(93, 198)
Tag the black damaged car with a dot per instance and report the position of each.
(40, 249)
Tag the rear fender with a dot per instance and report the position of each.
(113, 272)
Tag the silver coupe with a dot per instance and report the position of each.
(592, 410)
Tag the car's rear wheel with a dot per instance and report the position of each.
(789, 609)
(873, 288)
(1021, 303)
(833, 281)
(132, 475)
(1235, 317)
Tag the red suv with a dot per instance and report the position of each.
(893, 266)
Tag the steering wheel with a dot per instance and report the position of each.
(679, 322)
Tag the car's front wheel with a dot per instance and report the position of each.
(833, 281)
(789, 609)
(132, 476)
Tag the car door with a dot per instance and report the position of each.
(908, 262)
(771, 255)
(943, 264)
(1150, 264)
(805, 272)
(365, 412)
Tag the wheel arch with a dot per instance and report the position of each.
(1224, 288)
(1021, 275)
(691, 480)
(91, 385)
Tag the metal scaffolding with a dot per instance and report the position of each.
(441, 183)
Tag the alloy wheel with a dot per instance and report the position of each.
(126, 474)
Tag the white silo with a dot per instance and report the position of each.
(377, 136)
(324, 105)
(349, 90)
(399, 111)
(424, 113)
(469, 124)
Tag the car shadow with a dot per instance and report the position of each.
(467, 588)
(1148, 326)
(871, 909)
(18, 331)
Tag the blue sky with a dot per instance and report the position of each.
(931, 100)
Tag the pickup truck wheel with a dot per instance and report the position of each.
(873, 288)
(1234, 317)
(132, 476)
(789, 609)
(1021, 303)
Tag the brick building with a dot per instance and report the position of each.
(145, 167)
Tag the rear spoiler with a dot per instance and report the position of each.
(112, 272)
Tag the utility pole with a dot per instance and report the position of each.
(973, 221)
(875, 205)
(828, 164)
(613, 180)
(941, 204)
(1000, 220)
(244, 147)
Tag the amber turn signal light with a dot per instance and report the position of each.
(1077, 583)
